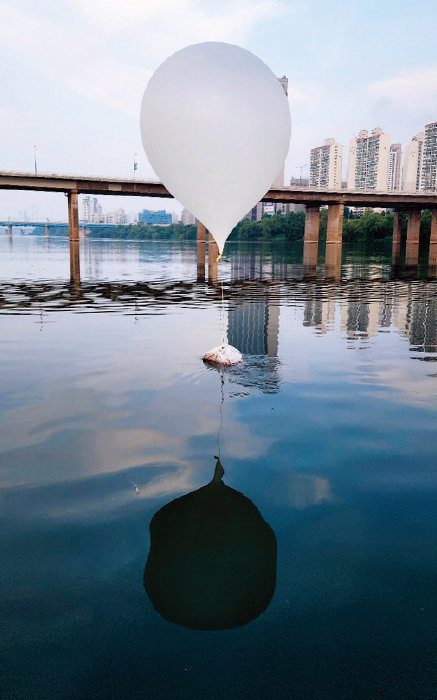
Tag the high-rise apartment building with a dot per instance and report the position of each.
(326, 164)
(279, 180)
(413, 163)
(369, 161)
(118, 216)
(428, 179)
(394, 170)
(187, 218)
(92, 210)
(86, 203)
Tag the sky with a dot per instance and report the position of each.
(73, 74)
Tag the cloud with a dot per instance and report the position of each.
(309, 94)
(173, 20)
(77, 62)
(412, 91)
(110, 51)
(81, 72)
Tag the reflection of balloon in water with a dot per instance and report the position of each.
(215, 125)
(212, 559)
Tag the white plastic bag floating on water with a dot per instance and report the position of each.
(224, 355)
(215, 125)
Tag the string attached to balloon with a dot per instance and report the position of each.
(223, 315)
(222, 401)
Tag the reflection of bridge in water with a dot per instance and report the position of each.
(365, 309)
(362, 308)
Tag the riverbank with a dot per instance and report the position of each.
(372, 226)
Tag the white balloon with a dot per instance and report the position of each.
(215, 125)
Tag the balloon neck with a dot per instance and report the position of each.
(219, 471)
(219, 257)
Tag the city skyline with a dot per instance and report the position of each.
(81, 110)
(375, 163)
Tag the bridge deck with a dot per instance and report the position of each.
(145, 188)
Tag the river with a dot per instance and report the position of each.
(328, 428)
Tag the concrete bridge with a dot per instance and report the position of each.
(9, 225)
(47, 225)
(403, 203)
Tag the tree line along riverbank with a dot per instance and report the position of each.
(289, 227)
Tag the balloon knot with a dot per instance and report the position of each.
(219, 471)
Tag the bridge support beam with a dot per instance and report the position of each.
(333, 261)
(411, 257)
(413, 235)
(432, 260)
(213, 252)
(310, 252)
(432, 253)
(47, 231)
(201, 250)
(433, 238)
(397, 230)
(413, 228)
(312, 223)
(73, 227)
(10, 231)
(334, 231)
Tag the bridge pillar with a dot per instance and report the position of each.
(333, 261)
(213, 252)
(10, 231)
(432, 253)
(47, 231)
(310, 252)
(411, 257)
(334, 231)
(312, 222)
(433, 238)
(413, 228)
(432, 260)
(397, 229)
(73, 227)
(201, 250)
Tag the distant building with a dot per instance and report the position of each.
(284, 83)
(256, 213)
(289, 208)
(86, 208)
(394, 170)
(428, 180)
(118, 216)
(413, 163)
(299, 182)
(92, 211)
(269, 208)
(279, 180)
(369, 161)
(157, 218)
(326, 164)
(187, 218)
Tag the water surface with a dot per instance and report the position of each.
(328, 428)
